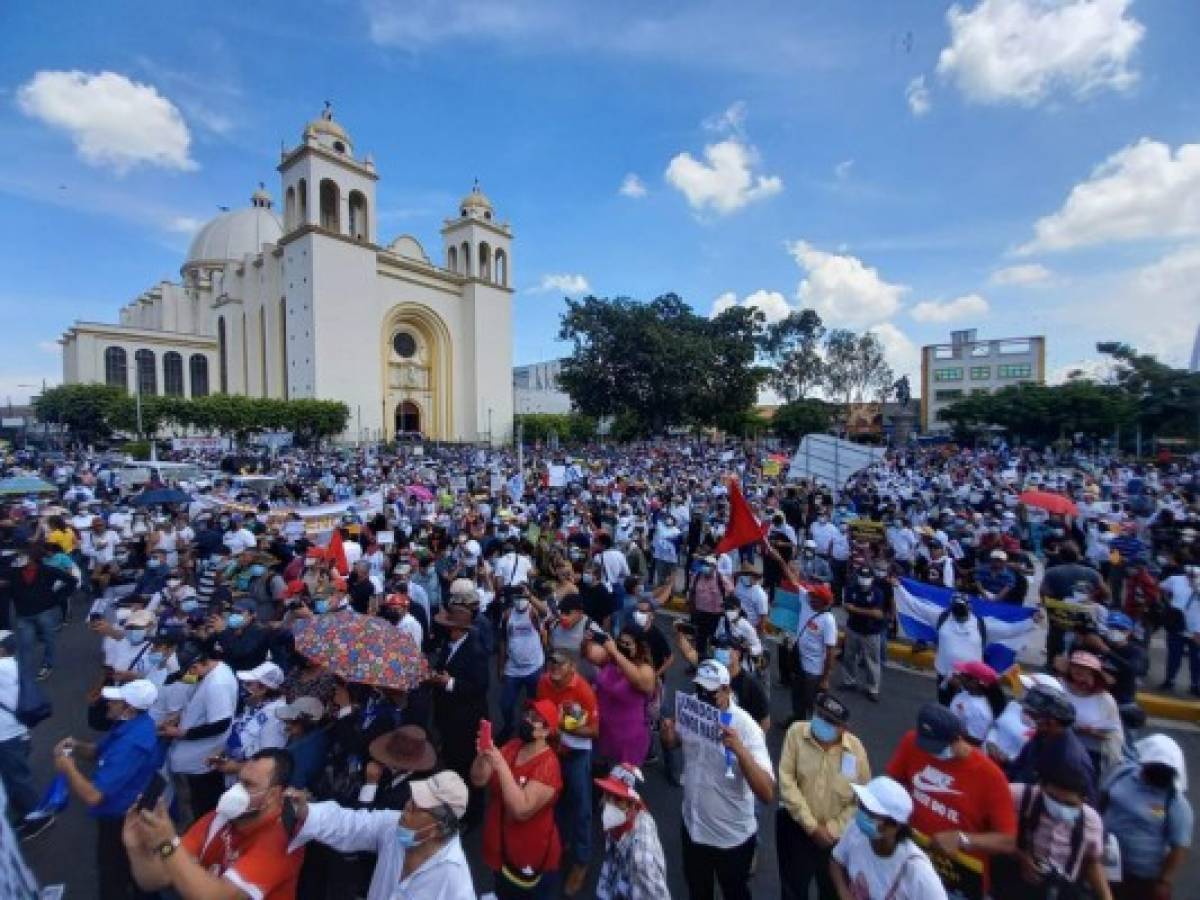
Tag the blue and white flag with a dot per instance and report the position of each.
(1009, 627)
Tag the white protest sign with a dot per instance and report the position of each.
(558, 476)
(697, 718)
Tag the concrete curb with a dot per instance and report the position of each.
(1157, 706)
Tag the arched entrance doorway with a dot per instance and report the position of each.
(408, 419)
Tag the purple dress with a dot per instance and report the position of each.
(624, 731)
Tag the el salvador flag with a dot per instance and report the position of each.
(1009, 627)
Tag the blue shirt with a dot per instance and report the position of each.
(308, 758)
(125, 760)
(1146, 825)
(994, 582)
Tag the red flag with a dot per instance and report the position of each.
(336, 553)
(743, 527)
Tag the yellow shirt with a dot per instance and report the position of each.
(64, 537)
(813, 785)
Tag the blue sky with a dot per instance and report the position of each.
(1017, 166)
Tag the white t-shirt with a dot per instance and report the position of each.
(410, 626)
(816, 632)
(957, 642)
(905, 875)
(10, 727)
(239, 541)
(215, 699)
(257, 729)
(512, 569)
(753, 599)
(615, 566)
(719, 811)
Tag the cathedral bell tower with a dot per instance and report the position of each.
(476, 245)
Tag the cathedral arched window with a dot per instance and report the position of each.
(116, 368)
(465, 252)
(485, 261)
(360, 229)
(199, 372)
(501, 268)
(331, 200)
(147, 374)
(289, 209)
(172, 374)
(302, 200)
(222, 355)
(452, 259)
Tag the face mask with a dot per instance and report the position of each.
(865, 582)
(586, 579)
(946, 753)
(321, 606)
(407, 837)
(521, 605)
(612, 816)
(189, 605)
(732, 614)
(825, 732)
(234, 803)
(866, 824)
(722, 655)
(526, 731)
(809, 554)
(706, 570)
(153, 564)
(155, 659)
(1060, 811)
(135, 635)
(641, 618)
(235, 620)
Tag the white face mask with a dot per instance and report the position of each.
(1060, 811)
(234, 803)
(732, 615)
(611, 816)
(642, 618)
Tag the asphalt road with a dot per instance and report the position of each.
(65, 853)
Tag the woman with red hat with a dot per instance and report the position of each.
(634, 867)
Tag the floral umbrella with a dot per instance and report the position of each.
(363, 650)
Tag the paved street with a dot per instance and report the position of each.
(65, 853)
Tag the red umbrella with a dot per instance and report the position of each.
(1051, 503)
(421, 492)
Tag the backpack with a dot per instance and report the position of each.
(32, 705)
(941, 620)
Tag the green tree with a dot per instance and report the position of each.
(794, 420)
(87, 410)
(660, 362)
(1167, 399)
(792, 346)
(566, 427)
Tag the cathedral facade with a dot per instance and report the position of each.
(311, 305)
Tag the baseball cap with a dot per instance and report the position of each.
(443, 789)
(937, 728)
(267, 674)
(885, 797)
(711, 675)
(306, 707)
(1041, 702)
(998, 554)
(1041, 680)
(139, 694)
(139, 618)
(547, 711)
(980, 671)
(831, 709)
(820, 592)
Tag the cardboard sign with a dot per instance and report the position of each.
(1065, 614)
(866, 530)
(698, 718)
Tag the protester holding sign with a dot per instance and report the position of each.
(728, 767)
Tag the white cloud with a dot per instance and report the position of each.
(962, 307)
(185, 224)
(632, 186)
(113, 121)
(917, 95)
(49, 347)
(1141, 191)
(724, 182)
(1031, 273)
(1022, 51)
(731, 121)
(562, 283)
(901, 353)
(842, 289)
(773, 304)
(842, 170)
(19, 387)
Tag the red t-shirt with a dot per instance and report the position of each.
(969, 794)
(255, 858)
(532, 845)
(576, 691)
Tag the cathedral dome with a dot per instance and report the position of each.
(233, 235)
(477, 199)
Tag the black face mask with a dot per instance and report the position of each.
(1158, 776)
(960, 611)
(526, 731)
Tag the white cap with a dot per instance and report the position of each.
(885, 797)
(302, 707)
(139, 694)
(267, 674)
(1041, 680)
(998, 554)
(810, 544)
(711, 675)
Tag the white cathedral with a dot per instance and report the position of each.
(313, 306)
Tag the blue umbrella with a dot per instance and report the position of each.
(161, 495)
(26, 484)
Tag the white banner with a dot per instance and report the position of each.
(698, 718)
(827, 460)
(200, 444)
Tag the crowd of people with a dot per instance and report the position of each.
(550, 606)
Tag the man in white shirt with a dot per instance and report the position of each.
(751, 595)
(239, 539)
(14, 744)
(420, 853)
(727, 769)
(512, 568)
(1183, 592)
(200, 732)
(816, 647)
